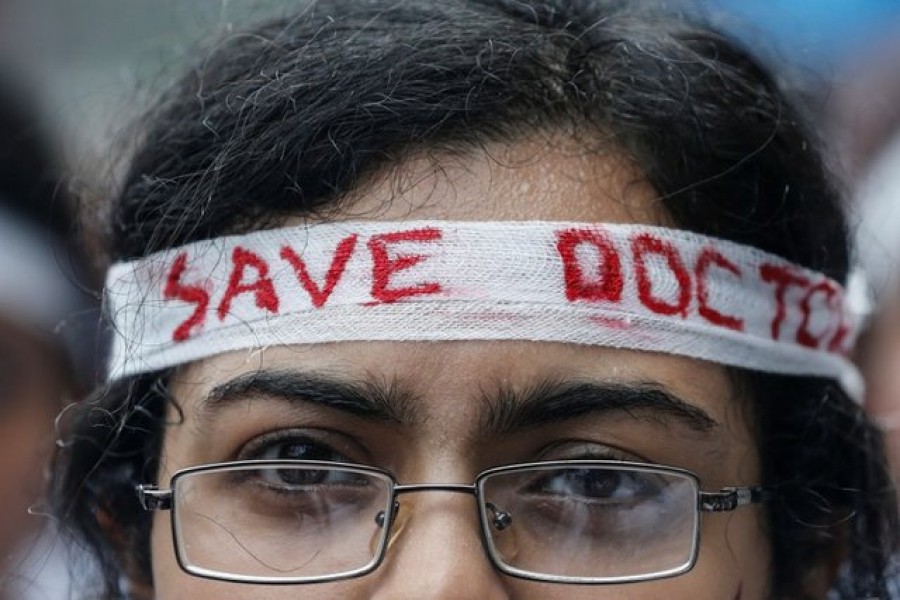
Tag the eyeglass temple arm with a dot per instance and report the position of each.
(153, 498)
(729, 499)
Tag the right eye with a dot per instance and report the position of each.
(298, 448)
(292, 479)
(295, 478)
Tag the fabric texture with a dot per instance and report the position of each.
(622, 286)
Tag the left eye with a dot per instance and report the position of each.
(596, 485)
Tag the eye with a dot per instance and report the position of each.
(596, 484)
(293, 479)
(294, 445)
(299, 449)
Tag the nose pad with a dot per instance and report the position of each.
(393, 522)
(500, 519)
(382, 519)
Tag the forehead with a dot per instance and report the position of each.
(545, 177)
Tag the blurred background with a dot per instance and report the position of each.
(93, 63)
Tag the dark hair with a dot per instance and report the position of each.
(291, 117)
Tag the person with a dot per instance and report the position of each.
(41, 279)
(478, 299)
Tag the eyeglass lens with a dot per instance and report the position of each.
(590, 522)
(283, 522)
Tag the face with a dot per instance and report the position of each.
(31, 391)
(441, 413)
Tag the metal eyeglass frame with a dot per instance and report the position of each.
(725, 500)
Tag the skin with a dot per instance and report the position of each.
(883, 377)
(443, 433)
(31, 395)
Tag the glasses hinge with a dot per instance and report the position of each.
(153, 498)
(727, 499)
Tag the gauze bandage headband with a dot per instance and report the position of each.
(621, 286)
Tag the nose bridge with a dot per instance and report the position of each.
(436, 549)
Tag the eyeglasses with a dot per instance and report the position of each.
(580, 522)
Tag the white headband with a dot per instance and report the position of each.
(621, 286)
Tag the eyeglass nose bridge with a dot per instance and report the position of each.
(456, 488)
(501, 519)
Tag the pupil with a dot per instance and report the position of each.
(597, 484)
(301, 477)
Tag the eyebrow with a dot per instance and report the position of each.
(386, 401)
(554, 401)
(505, 411)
